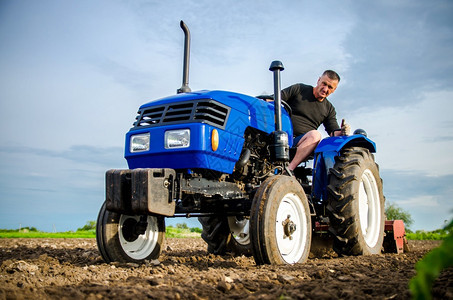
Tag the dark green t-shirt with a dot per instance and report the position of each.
(307, 112)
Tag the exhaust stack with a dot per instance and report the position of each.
(279, 148)
(185, 76)
(276, 67)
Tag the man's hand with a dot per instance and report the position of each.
(345, 128)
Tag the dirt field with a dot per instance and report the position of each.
(73, 269)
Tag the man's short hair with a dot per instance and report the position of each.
(332, 75)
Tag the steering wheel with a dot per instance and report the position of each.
(285, 105)
(288, 108)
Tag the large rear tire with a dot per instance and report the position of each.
(120, 238)
(280, 222)
(226, 235)
(356, 203)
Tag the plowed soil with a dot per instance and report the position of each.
(73, 269)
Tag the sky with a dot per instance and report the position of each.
(73, 74)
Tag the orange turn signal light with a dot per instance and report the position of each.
(214, 139)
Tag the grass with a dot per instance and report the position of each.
(180, 231)
(41, 235)
(176, 232)
(439, 234)
(171, 232)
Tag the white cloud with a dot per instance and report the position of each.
(416, 137)
(398, 50)
(424, 202)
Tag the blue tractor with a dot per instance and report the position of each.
(221, 156)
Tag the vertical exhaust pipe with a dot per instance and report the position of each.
(276, 67)
(279, 148)
(185, 76)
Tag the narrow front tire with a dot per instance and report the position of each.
(129, 238)
(280, 222)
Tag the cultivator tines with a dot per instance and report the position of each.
(395, 237)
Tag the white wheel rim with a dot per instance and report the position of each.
(293, 249)
(369, 208)
(240, 230)
(145, 243)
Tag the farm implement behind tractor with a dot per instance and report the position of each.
(395, 237)
(221, 156)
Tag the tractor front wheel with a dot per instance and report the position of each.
(280, 222)
(125, 238)
(356, 203)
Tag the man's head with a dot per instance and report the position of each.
(327, 84)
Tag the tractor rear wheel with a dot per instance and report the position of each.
(280, 222)
(356, 203)
(226, 235)
(125, 238)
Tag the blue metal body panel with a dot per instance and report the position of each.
(324, 159)
(246, 111)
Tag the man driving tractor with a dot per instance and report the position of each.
(311, 108)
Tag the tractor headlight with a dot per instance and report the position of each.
(179, 138)
(139, 142)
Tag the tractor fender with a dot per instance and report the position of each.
(337, 143)
(324, 159)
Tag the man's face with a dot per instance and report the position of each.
(324, 87)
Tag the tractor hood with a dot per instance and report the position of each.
(201, 116)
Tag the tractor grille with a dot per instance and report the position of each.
(203, 111)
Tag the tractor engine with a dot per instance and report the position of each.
(254, 164)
